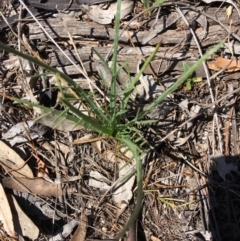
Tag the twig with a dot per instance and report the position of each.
(198, 114)
(207, 76)
(227, 132)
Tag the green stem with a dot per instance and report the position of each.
(181, 80)
(76, 87)
(138, 205)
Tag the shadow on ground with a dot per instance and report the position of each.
(224, 199)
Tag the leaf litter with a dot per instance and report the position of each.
(188, 181)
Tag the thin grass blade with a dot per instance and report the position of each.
(70, 82)
(181, 80)
(133, 148)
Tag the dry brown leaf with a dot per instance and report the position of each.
(35, 186)
(60, 146)
(5, 214)
(122, 193)
(154, 238)
(22, 223)
(41, 168)
(220, 63)
(59, 123)
(56, 145)
(81, 230)
(10, 161)
(85, 139)
(97, 147)
(229, 11)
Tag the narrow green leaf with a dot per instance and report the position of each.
(113, 92)
(182, 79)
(158, 3)
(145, 122)
(136, 78)
(186, 67)
(189, 85)
(88, 121)
(72, 84)
(137, 208)
(196, 79)
(102, 59)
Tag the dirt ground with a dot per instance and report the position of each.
(191, 178)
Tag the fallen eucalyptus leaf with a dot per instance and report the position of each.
(36, 186)
(229, 65)
(22, 223)
(13, 163)
(80, 233)
(5, 214)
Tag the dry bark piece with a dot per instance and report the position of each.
(170, 37)
(39, 208)
(225, 1)
(36, 186)
(161, 25)
(232, 48)
(97, 180)
(165, 60)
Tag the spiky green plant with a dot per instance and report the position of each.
(110, 122)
